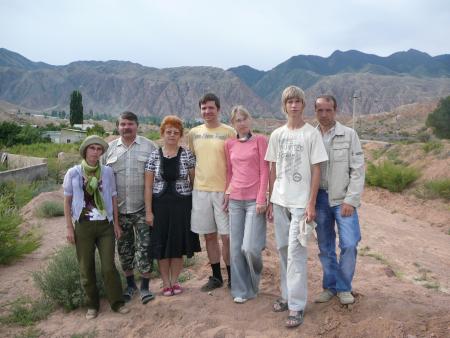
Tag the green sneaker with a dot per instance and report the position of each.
(325, 296)
(346, 298)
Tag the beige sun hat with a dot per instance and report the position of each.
(92, 139)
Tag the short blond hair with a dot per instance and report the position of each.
(239, 110)
(292, 92)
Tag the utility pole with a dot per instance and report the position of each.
(354, 110)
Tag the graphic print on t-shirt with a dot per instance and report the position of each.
(290, 158)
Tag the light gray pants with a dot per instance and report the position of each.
(247, 240)
(293, 256)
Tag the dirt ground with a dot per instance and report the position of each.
(402, 285)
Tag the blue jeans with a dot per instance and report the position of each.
(337, 276)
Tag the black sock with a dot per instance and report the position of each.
(144, 283)
(216, 271)
(229, 272)
(130, 281)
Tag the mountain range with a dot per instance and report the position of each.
(379, 83)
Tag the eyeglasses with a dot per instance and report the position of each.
(172, 132)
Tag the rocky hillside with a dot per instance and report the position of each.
(381, 83)
(113, 86)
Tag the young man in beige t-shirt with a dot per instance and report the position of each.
(208, 216)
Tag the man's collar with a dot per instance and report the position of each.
(339, 129)
(136, 140)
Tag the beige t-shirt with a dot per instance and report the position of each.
(294, 151)
(207, 144)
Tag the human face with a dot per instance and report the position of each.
(171, 135)
(210, 112)
(242, 124)
(325, 113)
(128, 128)
(93, 153)
(294, 107)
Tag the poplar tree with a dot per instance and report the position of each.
(76, 108)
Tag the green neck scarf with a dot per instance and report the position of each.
(92, 176)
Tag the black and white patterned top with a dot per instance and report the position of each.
(182, 184)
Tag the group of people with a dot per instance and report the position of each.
(157, 201)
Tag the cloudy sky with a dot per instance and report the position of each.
(227, 33)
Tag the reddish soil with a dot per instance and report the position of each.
(401, 284)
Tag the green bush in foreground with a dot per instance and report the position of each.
(394, 177)
(60, 281)
(50, 209)
(25, 311)
(439, 188)
(13, 244)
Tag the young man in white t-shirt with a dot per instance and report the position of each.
(295, 151)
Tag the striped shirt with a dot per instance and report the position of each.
(128, 164)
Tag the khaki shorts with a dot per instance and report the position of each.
(207, 215)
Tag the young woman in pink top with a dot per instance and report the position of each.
(247, 179)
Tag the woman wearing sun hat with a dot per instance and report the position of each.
(90, 209)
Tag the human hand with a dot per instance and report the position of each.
(260, 208)
(70, 236)
(269, 212)
(226, 199)
(117, 231)
(149, 217)
(310, 212)
(347, 210)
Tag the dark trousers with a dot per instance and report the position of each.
(88, 236)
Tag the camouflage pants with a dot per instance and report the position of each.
(134, 245)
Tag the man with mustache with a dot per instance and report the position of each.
(127, 156)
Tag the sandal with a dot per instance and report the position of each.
(129, 292)
(167, 292)
(177, 289)
(280, 305)
(146, 296)
(296, 320)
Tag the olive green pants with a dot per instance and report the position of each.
(88, 236)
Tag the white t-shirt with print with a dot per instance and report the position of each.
(294, 151)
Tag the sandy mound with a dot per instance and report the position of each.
(392, 295)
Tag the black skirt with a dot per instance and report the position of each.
(171, 235)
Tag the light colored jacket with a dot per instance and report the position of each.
(73, 186)
(346, 168)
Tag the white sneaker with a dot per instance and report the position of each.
(123, 310)
(346, 298)
(91, 314)
(239, 300)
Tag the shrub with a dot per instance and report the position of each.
(439, 119)
(25, 311)
(50, 209)
(439, 188)
(13, 244)
(434, 146)
(47, 150)
(394, 177)
(153, 135)
(60, 281)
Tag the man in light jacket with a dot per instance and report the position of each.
(341, 185)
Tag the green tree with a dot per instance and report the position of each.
(439, 119)
(8, 133)
(76, 108)
(96, 130)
